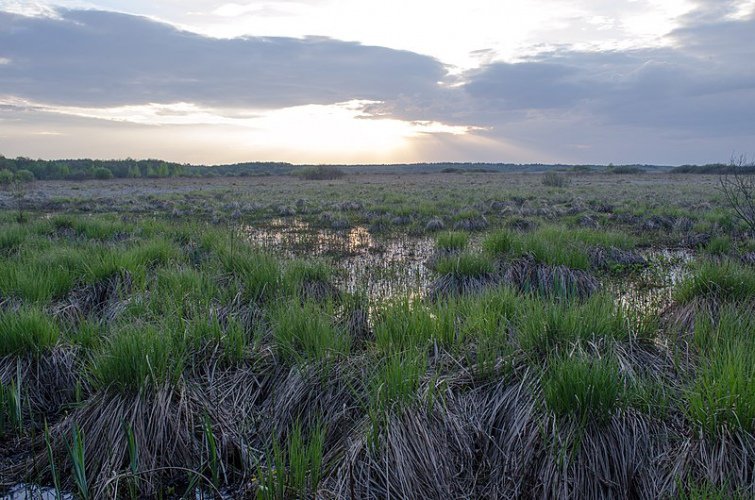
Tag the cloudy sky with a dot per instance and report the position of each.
(345, 81)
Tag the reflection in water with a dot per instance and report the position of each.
(650, 290)
(384, 268)
(378, 268)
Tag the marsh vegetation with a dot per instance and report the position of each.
(288, 338)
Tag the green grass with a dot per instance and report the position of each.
(726, 281)
(556, 245)
(153, 252)
(229, 336)
(258, 272)
(393, 385)
(720, 245)
(410, 325)
(12, 237)
(137, 356)
(498, 243)
(300, 271)
(722, 394)
(307, 333)
(90, 227)
(452, 241)
(27, 331)
(293, 468)
(583, 388)
(465, 265)
(543, 326)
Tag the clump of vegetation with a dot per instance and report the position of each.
(543, 326)
(305, 333)
(582, 388)
(499, 243)
(726, 281)
(554, 179)
(310, 280)
(137, 356)
(27, 331)
(462, 274)
(452, 241)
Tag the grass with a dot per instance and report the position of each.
(498, 243)
(720, 245)
(408, 325)
(307, 333)
(465, 265)
(543, 325)
(27, 331)
(136, 357)
(452, 241)
(721, 395)
(258, 272)
(295, 468)
(199, 358)
(584, 389)
(725, 281)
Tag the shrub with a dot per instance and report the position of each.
(102, 173)
(24, 176)
(6, 177)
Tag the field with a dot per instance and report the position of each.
(446, 335)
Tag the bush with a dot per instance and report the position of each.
(24, 176)
(552, 179)
(6, 177)
(102, 173)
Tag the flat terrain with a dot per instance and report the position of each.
(461, 335)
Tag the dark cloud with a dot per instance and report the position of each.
(103, 58)
(704, 83)
(692, 100)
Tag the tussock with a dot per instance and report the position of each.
(100, 299)
(528, 276)
(47, 381)
(612, 257)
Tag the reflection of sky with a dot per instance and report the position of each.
(492, 80)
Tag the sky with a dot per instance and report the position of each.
(389, 81)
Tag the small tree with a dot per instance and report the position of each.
(737, 184)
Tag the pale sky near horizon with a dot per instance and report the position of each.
(337, 81)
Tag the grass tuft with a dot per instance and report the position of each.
(583, 388)
(27, 331)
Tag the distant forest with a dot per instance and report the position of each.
(82, 169)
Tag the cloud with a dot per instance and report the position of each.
(689, 99)
(108, 59)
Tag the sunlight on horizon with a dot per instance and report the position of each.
(326, 132)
